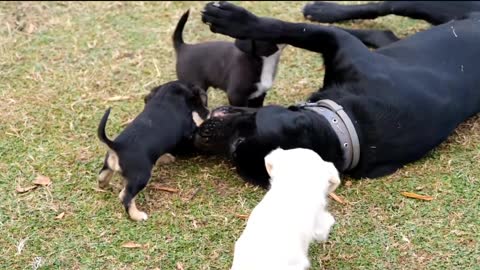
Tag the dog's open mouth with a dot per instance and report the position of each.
(216, 132)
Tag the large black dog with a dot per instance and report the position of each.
(434, 12)
(399, 101)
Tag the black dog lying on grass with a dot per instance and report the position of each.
(172, 113)
(244, 69)
(377, 111)
(434, 12)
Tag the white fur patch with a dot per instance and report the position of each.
(121, 195)
(113, 161)
(279, 231)
(136, 214)
(197, 119)
(166, 159)
(269, 71)
(133, 211)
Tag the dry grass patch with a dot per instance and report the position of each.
(63, 63)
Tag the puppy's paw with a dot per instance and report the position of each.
(324, 224)
(138, 215)
(103, 185)
(104, 179)
(166, 159)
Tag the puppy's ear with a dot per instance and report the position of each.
(272, 159)
(256, 47)
(245, 45)
(334, 180)
(264, 48)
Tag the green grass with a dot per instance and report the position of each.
(60, 62)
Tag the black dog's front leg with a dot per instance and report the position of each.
(337, 46)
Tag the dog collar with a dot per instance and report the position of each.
(343, 127)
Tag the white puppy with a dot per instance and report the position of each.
(292, 213)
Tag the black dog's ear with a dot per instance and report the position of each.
(256, 47)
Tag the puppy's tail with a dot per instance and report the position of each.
(101, 131)
(178, 33)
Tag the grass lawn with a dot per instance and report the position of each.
(63, 63)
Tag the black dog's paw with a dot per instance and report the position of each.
(324, 12)
(228, 19)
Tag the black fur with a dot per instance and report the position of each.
(165, 123)
(404, 99)
(434, 12)
(233, 67)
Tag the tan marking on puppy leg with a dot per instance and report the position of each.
(196, 118)
(166, 159)
(121, 194)
(113, 161)
(133, 211)
(104, 178)
(136, 214)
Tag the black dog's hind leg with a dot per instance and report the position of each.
(326, 12)
(434, 12)
(134, 183)
(373, 38)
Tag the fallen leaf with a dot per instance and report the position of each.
(117, 98)
(242, 216)
(348, 183)
(163, 188)
(132, 245)
(336, 198)
(99, 189)
(180, 266)
(25, 189)
(416, 196)
(30, 28)
(60, 216)
(42, 181)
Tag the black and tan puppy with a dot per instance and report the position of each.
(245, 69)
(172, 113)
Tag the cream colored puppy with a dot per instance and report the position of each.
(292, 213)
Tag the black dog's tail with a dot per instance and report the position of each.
(101, 131)
(178, 33)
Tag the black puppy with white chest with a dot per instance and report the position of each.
(172, 113)
(244, 69)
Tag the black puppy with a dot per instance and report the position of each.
(434, 12)
(245, 69)
(377, 111)
(172, 113)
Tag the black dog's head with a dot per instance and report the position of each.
(257, 48)
(247, 135)
(195, 98)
